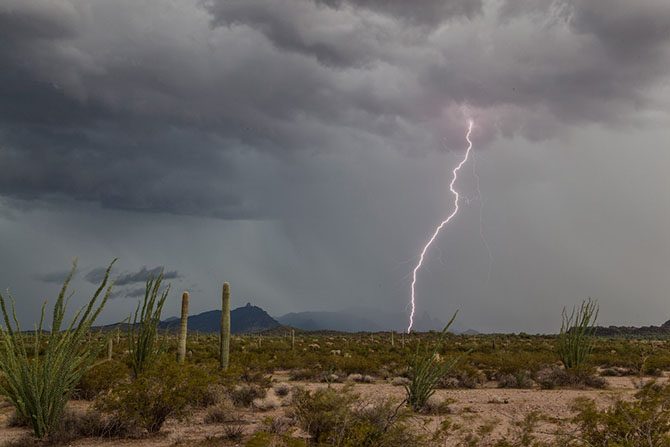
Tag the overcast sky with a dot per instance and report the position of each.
(302, 150)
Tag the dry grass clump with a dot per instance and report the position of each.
(243, 395)
(303, 374)
(282, 389)
(234, 432)
(465, 376)
(267, 403)
(400, 381)
(519, 379)
(360, 378)
(437, 406)
(223, 412)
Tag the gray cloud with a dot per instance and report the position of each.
(298, 147)
(144, 274)
(175, 115)
(96, 275)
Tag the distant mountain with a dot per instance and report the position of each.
(243, 320)
(632, 331)
(362, 319)
(328, 321)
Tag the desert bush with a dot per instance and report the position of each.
(243, 395)
(144, 328)
(426, 370)
(464, 376)
(100, 378)
(400, 381)
(41, 373)
(360, 378)
(437, 406)
(330, 417)
(233, 433)
(165, 389)
(642, 422)
(554, 376)
(269, 402)
(223, 412)
(266, 439)
(214, 394)
(302, 374)
(277, 425)
(617, 371)
(520, 379)
(282, 390)
(576, 341)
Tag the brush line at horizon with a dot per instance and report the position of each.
(440, 226)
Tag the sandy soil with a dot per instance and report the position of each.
(486, 409)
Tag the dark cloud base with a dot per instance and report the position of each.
(180, 115)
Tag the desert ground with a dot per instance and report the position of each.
(494, 395)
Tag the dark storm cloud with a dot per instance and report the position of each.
(429, 12)
(137, 292)
(179, 112)
(96, 275)
(54, 277)
(144, 274)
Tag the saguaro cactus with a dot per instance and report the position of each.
(183, 328)
(110, 349)
(224, 354)
(292, 339)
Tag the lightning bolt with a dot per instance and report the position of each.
(441, 225)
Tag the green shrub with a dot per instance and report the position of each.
(101, 378)
(165, 389)
(41, 370)
(582, 377)
(642, 422)
(336, 418)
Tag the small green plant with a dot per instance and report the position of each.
(642, 422)
(426, 371)
(144, 328)
(164, 389)
(576, 341)
(41, 370)
(337, 418)
(100, 378)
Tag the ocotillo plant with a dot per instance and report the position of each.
(426, 370)
(575, 341)
(224, 343)
(183, 328)
(39, 384)
(143, 330)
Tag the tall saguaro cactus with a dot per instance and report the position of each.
(224, 355)
(183, 328)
